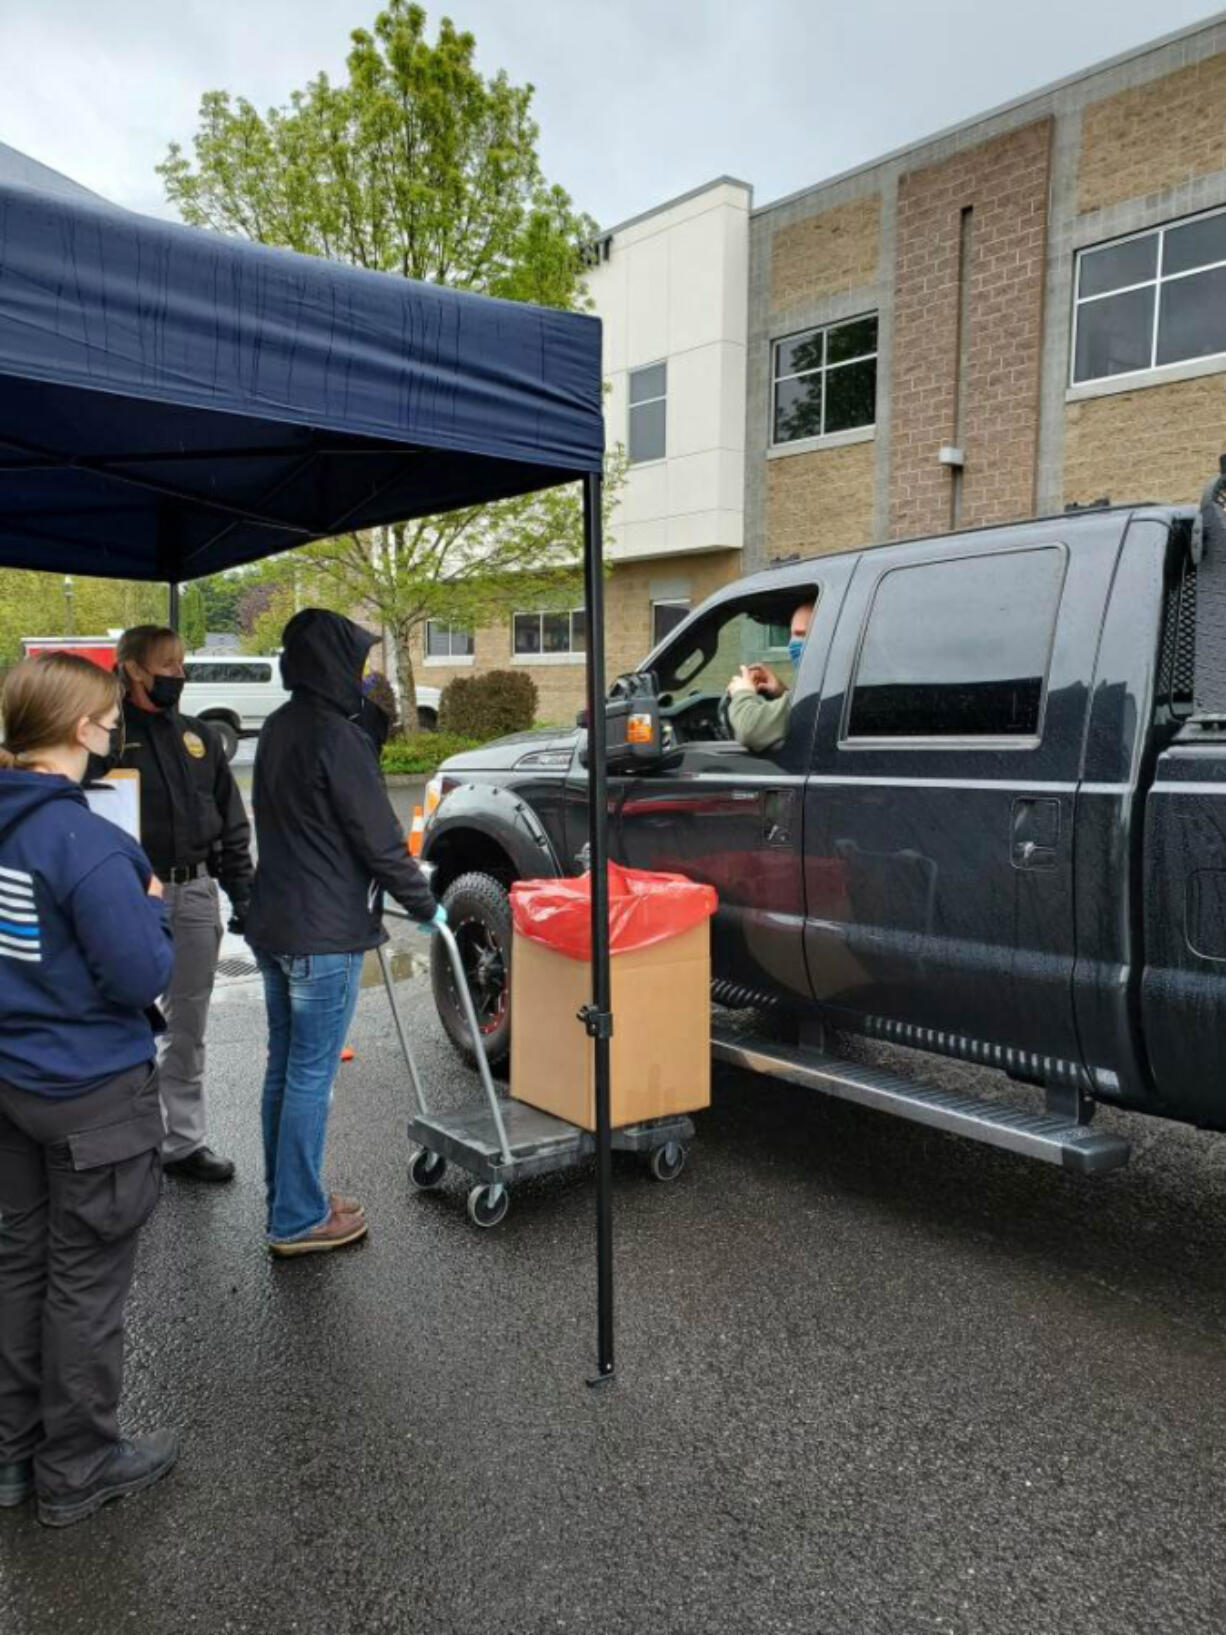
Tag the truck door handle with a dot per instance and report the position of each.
(1034, 833)
(778, 816)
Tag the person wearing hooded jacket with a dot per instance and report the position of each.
(328, 845)
(85, 950)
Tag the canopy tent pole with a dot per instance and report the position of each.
(598, 1016)
(172, 606)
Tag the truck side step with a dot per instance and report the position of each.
(1035, 1135)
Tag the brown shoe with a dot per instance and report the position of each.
(341, 1205)
(334, 1233)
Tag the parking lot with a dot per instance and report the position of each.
(870, 1379)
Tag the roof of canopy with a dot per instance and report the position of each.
(174, 402)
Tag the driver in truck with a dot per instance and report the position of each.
(758, 703)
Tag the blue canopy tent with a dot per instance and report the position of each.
(174, 402)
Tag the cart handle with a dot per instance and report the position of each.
(470, 1017)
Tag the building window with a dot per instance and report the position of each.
(444, 641)
(1155, 299)
(666, 615)
(549, 634)
(826, 381)
(959, 649)
(648, 400)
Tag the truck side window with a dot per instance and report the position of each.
(958, 648)
(694, 670)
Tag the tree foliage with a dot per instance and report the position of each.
(417, 165)
(42, 604)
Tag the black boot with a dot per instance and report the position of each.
(201, 1165)
(16, 1483)
(131, 1467)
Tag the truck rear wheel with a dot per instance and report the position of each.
(479, 913)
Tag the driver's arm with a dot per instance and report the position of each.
(758, 723)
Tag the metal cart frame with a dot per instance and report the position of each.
(508, 1141)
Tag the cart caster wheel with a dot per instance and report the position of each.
(488, 1205)
(427, 1169)
(667, 1162)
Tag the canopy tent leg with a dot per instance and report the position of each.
(598, 1015)
(172, 606)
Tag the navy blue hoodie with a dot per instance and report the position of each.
(83, 948)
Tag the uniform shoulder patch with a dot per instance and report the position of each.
(193, 743)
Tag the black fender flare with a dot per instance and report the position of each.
(497, 815)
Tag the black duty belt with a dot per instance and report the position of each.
(178, 874)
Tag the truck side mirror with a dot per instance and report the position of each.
(632, 725)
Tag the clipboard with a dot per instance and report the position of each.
(117, 799)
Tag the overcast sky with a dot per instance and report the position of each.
(637, 100)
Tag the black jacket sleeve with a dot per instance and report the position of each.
(365, 817)
(234, 868)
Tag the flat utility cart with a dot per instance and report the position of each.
(508, 1141)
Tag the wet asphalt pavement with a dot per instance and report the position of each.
(871, 1379)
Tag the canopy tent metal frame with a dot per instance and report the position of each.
(174, 402)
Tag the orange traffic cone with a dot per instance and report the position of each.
(415, 833)
(347, 1054)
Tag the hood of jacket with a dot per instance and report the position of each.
(22, 793)
(324, 654)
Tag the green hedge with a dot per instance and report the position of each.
(423, 751)
(488, 706)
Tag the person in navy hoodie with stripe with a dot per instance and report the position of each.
(84, 953)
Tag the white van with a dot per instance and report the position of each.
(236, 695)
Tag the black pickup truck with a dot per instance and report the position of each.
(995, 828)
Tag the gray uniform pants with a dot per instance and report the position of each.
(79, 1176)
(196, 927)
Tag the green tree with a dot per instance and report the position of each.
(220, 595)
(416, 165)
(44, 604)
(420, 166)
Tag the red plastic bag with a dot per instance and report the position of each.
(643, 908)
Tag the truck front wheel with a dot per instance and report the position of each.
(479, 913)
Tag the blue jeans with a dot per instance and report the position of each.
(310, 1000)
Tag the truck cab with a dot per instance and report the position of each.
(991, 829)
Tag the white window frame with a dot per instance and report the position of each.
(631, 406)
(848, 433)
(448, 660)
(666, 601)
(1210, 361)
(571, 656)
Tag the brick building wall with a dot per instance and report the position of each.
(820, 502)
(976, 315)
(967, 338)
(1158, 443)
(1151, 138)
(835, 251)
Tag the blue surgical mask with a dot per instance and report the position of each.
(795, 648)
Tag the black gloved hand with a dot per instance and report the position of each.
(238, 918)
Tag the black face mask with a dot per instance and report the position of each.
(99, 765)
(165, 691)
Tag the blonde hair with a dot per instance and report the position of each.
(142, 642)
(43, 701)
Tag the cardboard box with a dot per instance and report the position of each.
(660, 1053)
